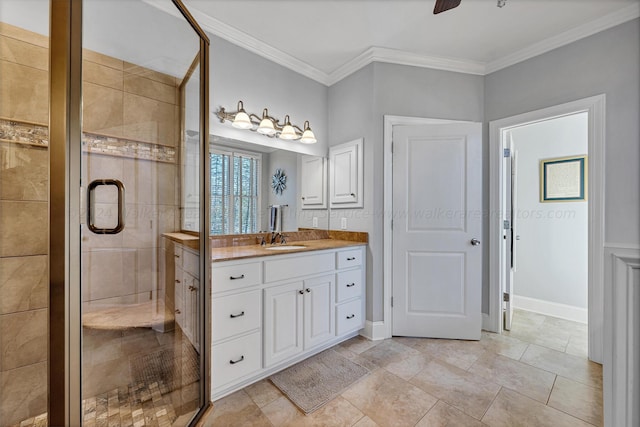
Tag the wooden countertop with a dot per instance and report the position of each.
(230, 253)
(188, 240)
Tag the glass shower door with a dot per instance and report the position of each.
(142, 358)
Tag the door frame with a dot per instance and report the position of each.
(595, 107)
(381, 330)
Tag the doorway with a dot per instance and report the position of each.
(503, 232)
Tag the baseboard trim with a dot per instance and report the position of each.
(374, 331)
(554, 309)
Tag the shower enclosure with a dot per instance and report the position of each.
(103, 116)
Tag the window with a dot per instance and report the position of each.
(235, 195)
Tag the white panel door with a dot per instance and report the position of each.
(437, 224)
(319, 316)
(282, 322)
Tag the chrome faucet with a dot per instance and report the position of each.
(274, 237)
(283, 239)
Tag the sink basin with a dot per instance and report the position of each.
(284, 247)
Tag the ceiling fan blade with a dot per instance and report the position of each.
(444, 5)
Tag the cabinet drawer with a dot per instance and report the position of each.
(237, 276)
(235, 359)
(297, 266)
(349, 285)
(349, 317)
(346, 259)
(191, 262)
(235, 314)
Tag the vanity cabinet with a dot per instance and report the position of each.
(346, 179)
(313, 182)
(187, 293)
(271, 312)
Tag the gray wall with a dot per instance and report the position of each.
(357, 107)
(609, 63)
(237, 74)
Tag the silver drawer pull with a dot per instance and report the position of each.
(351, 316)
(350, 285)
(233, 316)
(233, 362)
(236, 277)
(351, 258)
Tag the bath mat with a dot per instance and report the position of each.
(171, 370)
(314, 382)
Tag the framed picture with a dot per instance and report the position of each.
(563, 179)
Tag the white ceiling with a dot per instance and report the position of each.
(329, 39)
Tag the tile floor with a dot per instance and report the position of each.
(535, 375)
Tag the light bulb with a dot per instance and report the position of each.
(288, 132)
(241, 120)
(307, 136)
(266, 125)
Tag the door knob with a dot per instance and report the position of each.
(475, 242)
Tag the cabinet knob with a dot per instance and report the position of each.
(193, 288)
(302, 197)
(301, 292)
(353, 194)
(351, 316)
(177, 281)
(178, 311)
(308, 290)
(233, 362)
(177, 256)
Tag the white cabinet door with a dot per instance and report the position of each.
(313, 182)
(346, 175)
(319, 325)
(282, 322)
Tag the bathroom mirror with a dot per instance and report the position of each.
(248, 179)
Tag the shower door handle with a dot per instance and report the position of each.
(91, 206)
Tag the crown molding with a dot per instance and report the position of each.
(603, 23)
(392, 56)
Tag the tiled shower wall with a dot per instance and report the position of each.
(130, 114)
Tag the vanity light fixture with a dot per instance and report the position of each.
(267, 125)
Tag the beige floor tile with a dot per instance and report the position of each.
(503, 345)
(464, 390)
(358, 344)
(528, 380)
(578, 346)
(396, 358)
(511, 409)
(263, 392)
(442, 415)
(236, 409)
(389, 400)
(338, 412)
(569, 366)
(365, 422)
(577, 399)
(458, 353)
